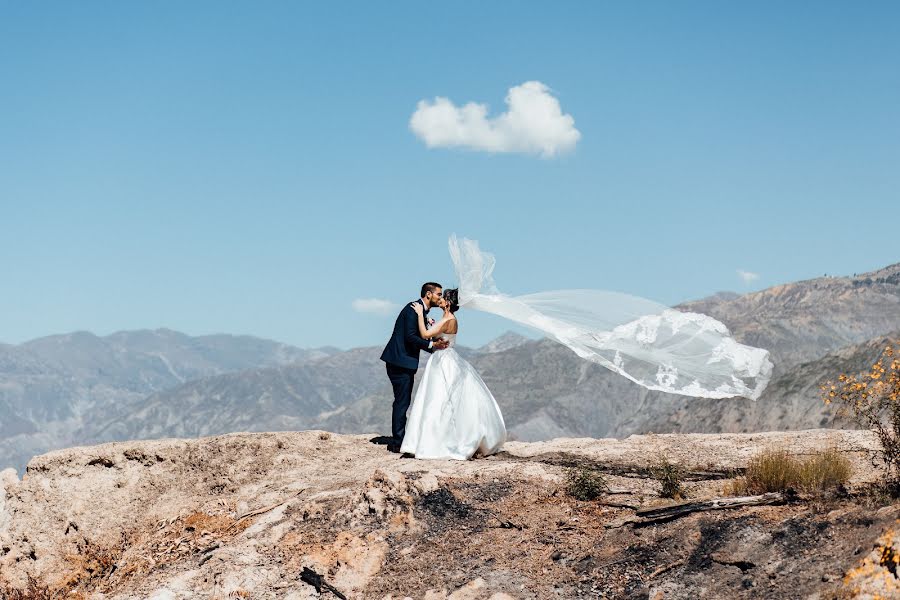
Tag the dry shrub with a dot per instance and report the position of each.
(825, 471)
(95, 567)
(769, 471)
(585, 484)
(776, 470)
(33, 590)
(670, 477)
(92, 564)
(176, 540)
(873, 400)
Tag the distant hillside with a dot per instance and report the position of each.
(791, 401)
(507, 341)
(802, 321)
(269, 399)
(50, 386)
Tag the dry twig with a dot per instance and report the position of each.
(666, 568)
(260, 511)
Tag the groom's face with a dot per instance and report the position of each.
(434, 298)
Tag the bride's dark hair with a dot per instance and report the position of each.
(452, 296)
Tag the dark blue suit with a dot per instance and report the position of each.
(401, 356)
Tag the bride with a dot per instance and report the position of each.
(454, 415)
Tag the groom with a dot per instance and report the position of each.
(401, 356)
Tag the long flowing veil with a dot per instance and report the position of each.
(651, 344)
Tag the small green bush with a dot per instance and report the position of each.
(583, 483)
(670, 477)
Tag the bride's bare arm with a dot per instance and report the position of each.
(423, 331)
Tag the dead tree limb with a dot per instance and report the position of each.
(658, 514)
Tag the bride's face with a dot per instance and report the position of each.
(442, 303)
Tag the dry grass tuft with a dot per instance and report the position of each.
(825, 470)
(777, 470)
(770, 471)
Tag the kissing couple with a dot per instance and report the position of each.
(454, 415)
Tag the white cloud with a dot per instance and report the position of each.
(533, 124)
(747, 276)
(375, 306)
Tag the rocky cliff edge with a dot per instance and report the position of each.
(246, 514)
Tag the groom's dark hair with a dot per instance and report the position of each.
(429, 287)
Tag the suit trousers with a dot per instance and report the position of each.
(402, 382)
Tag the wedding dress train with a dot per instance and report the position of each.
(454, 415)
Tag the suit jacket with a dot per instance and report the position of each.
(405, 344)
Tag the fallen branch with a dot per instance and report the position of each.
(673, 511)
(318, 582)
(613, 504)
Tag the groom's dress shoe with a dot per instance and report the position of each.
(407, 455)
(393, 448)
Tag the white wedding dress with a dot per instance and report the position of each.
(454, 415)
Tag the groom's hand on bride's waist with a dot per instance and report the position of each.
(440, 344)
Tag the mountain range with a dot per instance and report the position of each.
(52, 386)
(79, 388)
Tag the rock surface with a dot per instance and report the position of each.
(242, 515)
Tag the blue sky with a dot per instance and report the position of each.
(249, 167)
